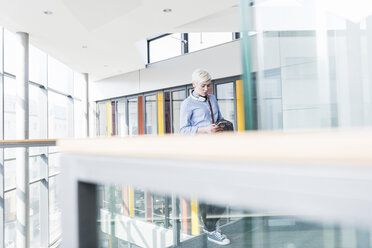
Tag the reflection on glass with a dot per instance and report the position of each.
(198, 41)
(10, 219)
(243, 227)
(226, 100)
(133, 116)
(177, 98)
(165, 47)
(151, 115)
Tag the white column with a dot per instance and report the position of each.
(22, 127)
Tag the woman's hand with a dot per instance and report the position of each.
(213, 128)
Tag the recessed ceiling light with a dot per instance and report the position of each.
(105, 65)
(167, 10)
(84, 46)
(48, 12)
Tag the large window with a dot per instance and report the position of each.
(165, 47)
(198, 41)
(56, 100)
(38, 112)
(60, 115)
(172, 45)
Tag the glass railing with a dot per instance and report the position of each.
(266, 189)
(43, 185)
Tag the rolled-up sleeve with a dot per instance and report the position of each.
(185, 120)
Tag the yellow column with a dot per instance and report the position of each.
(108, 107)
(131, 200)
(160, 114)
(240, 106)
(194, 217)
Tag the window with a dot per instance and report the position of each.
(177, 98)
(38, 66)
(226, 101)
(133, 116)
(60, 77)
(102, 119)
(122, 126)
(60, 116)
(151, 115)
(198, 41)
(37, 112)
(10, 52)
(165, 47)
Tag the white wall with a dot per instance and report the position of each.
(221, 61)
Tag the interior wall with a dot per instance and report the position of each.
(221, 61)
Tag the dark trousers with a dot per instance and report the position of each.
(207, 212)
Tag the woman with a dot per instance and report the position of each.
(199, 113)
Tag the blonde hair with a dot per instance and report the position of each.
(200, 76)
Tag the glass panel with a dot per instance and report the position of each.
(54, 165)
(38, 166)
(321, 52)
(198, 41)
(165, 47)
(78, 119)
(9, 108)
(10, 173)
(167, 112)
(241, 227)
(60, 77)
(10, 219)
(102, 119)
(37, 112)
(1, 50)
(133, 116)
(35, 215)
(151, 115)
(226, 101)
(10, 52)
(60, 116)
(38, 66)
(55, 228)
(177, 98)
(122, 118)
(79, 85)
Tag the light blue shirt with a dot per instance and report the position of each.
(195, 114)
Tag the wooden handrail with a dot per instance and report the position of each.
(27, 143)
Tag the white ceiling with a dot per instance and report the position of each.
(114, 31)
